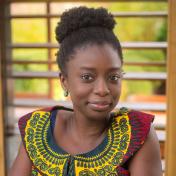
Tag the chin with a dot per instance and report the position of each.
(98, 115)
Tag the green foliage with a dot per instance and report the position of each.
(127, 29)
(39, 86)
(141, 29)
(162, 33)
(30, 54)
(137, 6)
(29, 30)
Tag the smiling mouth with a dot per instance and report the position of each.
(99, 106)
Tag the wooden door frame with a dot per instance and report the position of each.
(171, 92)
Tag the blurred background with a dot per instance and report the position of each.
(32, 74)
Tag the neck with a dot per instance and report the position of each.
(84, 128)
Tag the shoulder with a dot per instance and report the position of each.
(40, 121)
(31, 114)
(140, 116)
(136, 119)
(32, 123)
(140, 123)
(137, 125)
(147, 158)
(32, 118)
(33, 129)
(141, 157)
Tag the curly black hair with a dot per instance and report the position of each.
(81, 26)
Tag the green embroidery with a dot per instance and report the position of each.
(54, 171)
(103, 163)
(34, 173)
(87, 173)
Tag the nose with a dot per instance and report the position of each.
(101, 88)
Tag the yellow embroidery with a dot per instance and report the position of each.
(40, 153)
(106, 162)
(102, 163)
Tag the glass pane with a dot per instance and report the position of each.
(29, 30)
(30, 54)
(137, 6)
(30, 67)
(57, 8)
(144, 56)
(31, 86)
(138, 29)
(140, 90)
(27, 8)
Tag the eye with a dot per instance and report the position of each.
(116, 77)
(87, 77)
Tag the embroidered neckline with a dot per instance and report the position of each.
(99, 148)
(46, 157)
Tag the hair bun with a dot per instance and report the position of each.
(82, 17)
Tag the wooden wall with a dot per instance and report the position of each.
(2, 157)
(171, 92)
(2, 124)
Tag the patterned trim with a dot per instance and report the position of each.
(125, 136)
(40, 153)
(140, 123)
(106, 162)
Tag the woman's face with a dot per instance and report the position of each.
(94, 80)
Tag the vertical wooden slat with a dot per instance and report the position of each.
(2, 157)
(9, 88)
(171, 92)
(2, 144)
(51, 88)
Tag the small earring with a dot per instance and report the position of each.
(65, 93)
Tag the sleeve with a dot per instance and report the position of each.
(140, 123)
(28, 125)
(22, 125)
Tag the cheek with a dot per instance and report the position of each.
(116, 91)
(79, 91)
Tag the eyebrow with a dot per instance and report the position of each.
(93, 69)
(87, 68)
(115, 69)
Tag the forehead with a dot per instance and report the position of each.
(96, 57)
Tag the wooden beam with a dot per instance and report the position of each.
(152, 76)
(146, 106)
(87, 1)
(171, 92)
(145, 14)
(2, 143)
(125, 45)
(130, 63)
(2, 156)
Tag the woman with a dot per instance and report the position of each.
(91, 139)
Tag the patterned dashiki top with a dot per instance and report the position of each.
(127, 132)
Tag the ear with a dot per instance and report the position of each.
(63, 81)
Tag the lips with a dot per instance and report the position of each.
(99, 105)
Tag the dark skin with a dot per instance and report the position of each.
(93, 79)
(95, 91)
